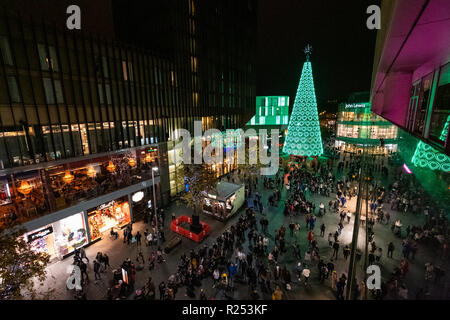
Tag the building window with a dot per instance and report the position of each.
(440, 116)
(413, 100)
(157, 76)
(50, 94)
(191, 7)
(101, 93)
(105, 67)
(127, 70)
(48, 61)
(419, 123)
(14, 89)
(6, 51)
(195, 98)
(108, 93)
(194, 64)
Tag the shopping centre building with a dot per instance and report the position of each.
(411, 87)
(357, 127)
(88, 122)
(411, 71)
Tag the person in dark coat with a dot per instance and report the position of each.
(97, 270)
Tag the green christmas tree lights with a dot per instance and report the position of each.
(428, 157)
(303, 136)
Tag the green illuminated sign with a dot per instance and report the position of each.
(426, 156)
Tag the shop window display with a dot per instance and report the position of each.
(70, 234)
(42, 240)
(106, 216)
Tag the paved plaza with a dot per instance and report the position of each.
(118, 251)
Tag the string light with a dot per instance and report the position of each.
(303, 134)
(426, 156)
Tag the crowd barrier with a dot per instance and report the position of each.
(174, 226)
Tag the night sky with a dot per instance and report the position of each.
(343, 47)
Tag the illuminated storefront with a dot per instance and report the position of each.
(115, 213)
(60, 238)
(357, 126)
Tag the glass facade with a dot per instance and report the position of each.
(28, 195)
(65, 94)
(82, 115)
(271, 110)
(429, 107)
(358, 126)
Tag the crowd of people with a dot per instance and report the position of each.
(255, 255)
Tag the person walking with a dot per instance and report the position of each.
(138, 239)
(106, 260)
(83, 269)
(277, 294)
(306, 274)
(334, 280)
(129, 236)
(291, 228)
(346, 251)
(125, 235)
(97, 270)
(335, 250)
(83, 254)
(378, 255)
(340, 286)
(390, 250)
(310, 236)
(162, 290)
(322, 230)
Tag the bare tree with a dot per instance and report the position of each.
(200, 179)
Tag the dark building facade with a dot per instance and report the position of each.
(86, 114)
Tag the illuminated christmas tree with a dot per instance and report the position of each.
(303, 137)
(428, 157)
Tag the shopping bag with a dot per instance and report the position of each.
(133, 240)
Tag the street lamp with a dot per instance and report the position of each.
(154, 169)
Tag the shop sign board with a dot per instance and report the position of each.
(40, 234)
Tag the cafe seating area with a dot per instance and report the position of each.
(43, 191)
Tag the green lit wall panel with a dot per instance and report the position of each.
(426, 156)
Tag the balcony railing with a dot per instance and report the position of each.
(25, 196)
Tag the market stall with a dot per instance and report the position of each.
(225, 201)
